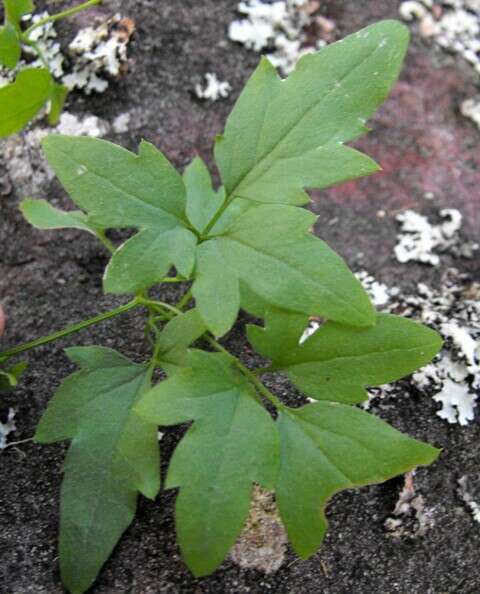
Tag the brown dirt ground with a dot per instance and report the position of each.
(48, 280)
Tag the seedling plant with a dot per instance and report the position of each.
(248, 244)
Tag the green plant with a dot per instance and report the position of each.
(33, 88)
(247, 245)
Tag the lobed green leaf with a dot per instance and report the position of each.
(231, 444)
(327, 447)
(282, 263)
(120, 189)
(116, 187)
(338, 362)
(284, 136)
(113, 456)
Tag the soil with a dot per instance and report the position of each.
(49, 280)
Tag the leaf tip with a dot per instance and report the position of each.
(427, 455)
(394, 28)
(367, 316)
(24, 205)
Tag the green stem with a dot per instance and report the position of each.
(101, 235)
(173, 279)
(184, 300)
(56, 17)
(250, 375)
(217, 215)
(40, 54)
(69, 330)
(159, 304)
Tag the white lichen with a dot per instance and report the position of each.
(99, 53)
(470, 108)
(472, 504)
(454, 26)
(458, 403)
(24, 160)
(88, 125)
(453, 378)
(411, 10)
(422, 241)
(263, 542)
(45, 37)
(279, 27)
(121, 123)
(6, 428)
(214, 88)
(379, 293)
(96, 54)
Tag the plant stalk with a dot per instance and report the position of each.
(166, 307)
(250, 375)
(217, 215)
(184, 300)
(102, 237)
(173, 279)
(69, 330)
(38, 51)
(56, 17)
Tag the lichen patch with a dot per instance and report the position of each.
(263, 541)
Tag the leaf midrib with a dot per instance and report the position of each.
(281, 140)
(140, 202)
(325, 289)
(309, 423)
(299, 423)
(291, 365)
(219, 467)
(107, 462)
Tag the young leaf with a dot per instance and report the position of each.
(147, 257)
(10, 377)
(202, 200)
(120, 189)
(15, 9)
(270, 250)
(176, 336)
(285, 136)
(231, 444)
(327, 447)
(21, 100)
(43, 215)
(113, 455)
(338, 362)
(10, 49)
